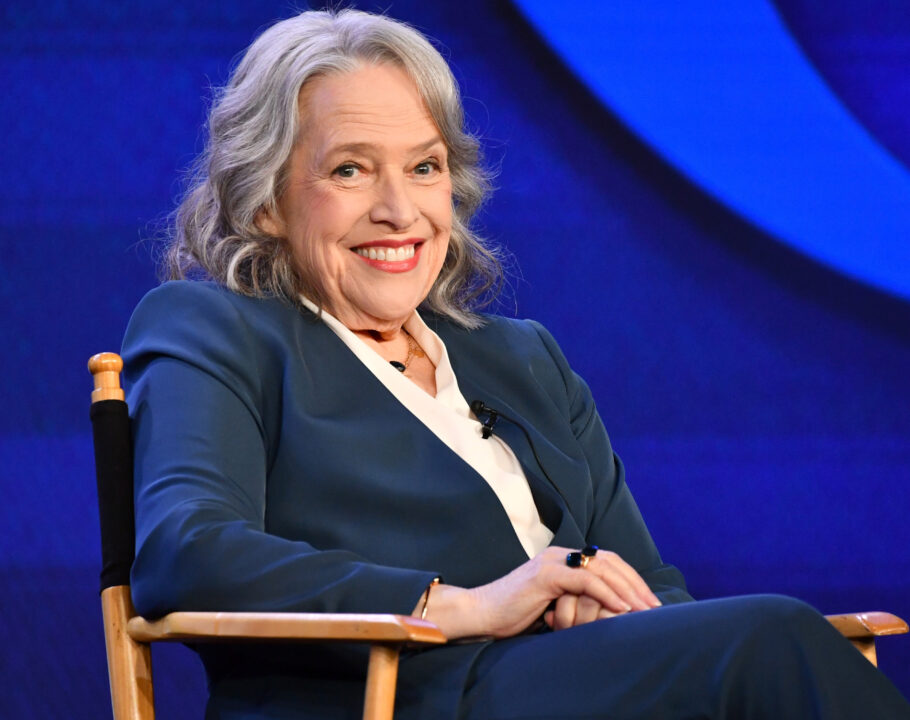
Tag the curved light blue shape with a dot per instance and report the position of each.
(723, 92)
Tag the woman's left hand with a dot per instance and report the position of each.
(572, 610)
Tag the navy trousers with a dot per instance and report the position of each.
(742, 658)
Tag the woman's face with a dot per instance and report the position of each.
(367, 207)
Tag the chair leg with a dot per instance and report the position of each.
(866, 647)
(129, 663)
(382, 677)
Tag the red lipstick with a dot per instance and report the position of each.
(391, 266)
(390, 243)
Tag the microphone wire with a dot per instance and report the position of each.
(478, 407)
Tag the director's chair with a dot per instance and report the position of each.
(128, 636)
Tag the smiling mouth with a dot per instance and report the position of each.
(387, 254)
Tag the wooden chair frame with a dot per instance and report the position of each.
(129, 660)
(128, 636)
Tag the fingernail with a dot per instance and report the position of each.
(627, 608)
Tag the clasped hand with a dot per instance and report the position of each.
(608, 586)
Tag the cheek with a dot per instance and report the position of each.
(323, 222)
(438, 207)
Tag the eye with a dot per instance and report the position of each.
(427, 167)
(347, 171)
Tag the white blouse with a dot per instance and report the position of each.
(448, 416)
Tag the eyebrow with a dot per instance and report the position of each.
(363, 147)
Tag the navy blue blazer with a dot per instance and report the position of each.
(275, 473)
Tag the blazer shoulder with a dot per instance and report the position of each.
(502, 346)
(177, 299)
(494, 328)
(192, 308)
(523, 337)
(229, 336)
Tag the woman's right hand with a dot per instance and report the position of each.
(507, 606)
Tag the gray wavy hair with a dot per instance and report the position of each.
(253, 125)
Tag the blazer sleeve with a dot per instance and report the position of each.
(203, 389)
(616, 523)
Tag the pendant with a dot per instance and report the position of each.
(397, 365)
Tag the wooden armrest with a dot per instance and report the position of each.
(214, 626)
(868, 624)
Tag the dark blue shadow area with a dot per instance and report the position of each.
(759, 400)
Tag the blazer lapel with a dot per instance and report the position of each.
(338, 372)
(552, 504)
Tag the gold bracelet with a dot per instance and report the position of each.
(426, 596)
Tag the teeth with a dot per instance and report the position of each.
(387, 254)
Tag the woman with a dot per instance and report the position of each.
(306, 441)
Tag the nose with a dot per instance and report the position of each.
(394, 204)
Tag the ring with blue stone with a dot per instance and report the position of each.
(588, 554)
(573, 559)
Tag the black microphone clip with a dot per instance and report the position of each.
(478, 408)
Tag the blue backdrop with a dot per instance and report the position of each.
(755, 386)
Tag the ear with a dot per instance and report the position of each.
(269, 220)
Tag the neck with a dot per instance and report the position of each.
(390, 344)
(381, 337)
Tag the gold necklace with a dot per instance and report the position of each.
(414, 350)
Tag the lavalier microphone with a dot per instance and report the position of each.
(479, 408)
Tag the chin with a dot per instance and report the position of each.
(394, 313)
(395, 303)
(380, 316)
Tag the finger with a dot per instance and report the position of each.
(621, 585)
(601, 614)
(587, 609)
(621, 577)
(624, 579)
(638, 582)
(578, 581)
(564, 614)
(631, 575)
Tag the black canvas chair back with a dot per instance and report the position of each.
(114, 472)
(129, 662)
